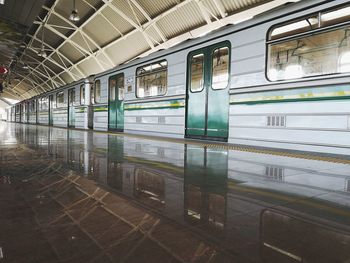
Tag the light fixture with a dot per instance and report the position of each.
(42, 52)
(74, 16)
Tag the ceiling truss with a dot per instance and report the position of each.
(74, 51)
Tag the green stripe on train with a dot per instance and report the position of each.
(80, 109)
(293, 95)
(171, 104)
(100, 108)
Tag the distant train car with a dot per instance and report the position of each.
(68, 106)
(278, 80)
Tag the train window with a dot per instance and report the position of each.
(335, 16)
(92, 94)
(60, 99)
(82, 94)
(32, 106)
(151, 80)
(309, 47)
(197, 73)
(220, 68)
(97, 91)
(120, 86)
(71, 95)
(112, 84)
(296, 27)
(319, 54)
(44, 104)
(344, 62)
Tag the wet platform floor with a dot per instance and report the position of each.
(78, 196)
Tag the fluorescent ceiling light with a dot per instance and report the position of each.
(74, 16)
(2, 2)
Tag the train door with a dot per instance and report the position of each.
(207, 106)
(205, 186)
(71, 110)
(51, 110)
(116, 103)
(27, 111)
(20, 113)
(37, 111)
(90, 108)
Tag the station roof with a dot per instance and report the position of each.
(44, 49)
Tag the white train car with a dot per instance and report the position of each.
(68, 106)
(264, 82)
(279, 80)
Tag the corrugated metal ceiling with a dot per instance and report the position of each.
(111, 32)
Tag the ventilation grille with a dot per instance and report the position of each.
(276, 121)
(274, 173)
(138, 148)
(161, 119)
(160, 152)
(138, 119)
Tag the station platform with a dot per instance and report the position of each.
(85, 196)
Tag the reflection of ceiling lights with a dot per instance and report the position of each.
(2, 2)
(344, 63)
(74, 16)
(294, 71)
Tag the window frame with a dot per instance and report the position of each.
(82, 98)
(58, 105)
(69, 102)
(42, 101)
(203, 70)
(109, 89)
(149, 64)
(94, 101)
(228, 65)
(120, 75)
(319, 30)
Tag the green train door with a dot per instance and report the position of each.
(205, 187)
(116, 103)
(51, 110)
(208, 98)
(71, 109)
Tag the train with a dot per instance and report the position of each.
(278, 80)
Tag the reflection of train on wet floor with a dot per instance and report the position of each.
(285, 204)
(277, 80)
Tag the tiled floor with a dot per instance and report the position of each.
(77, 196)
